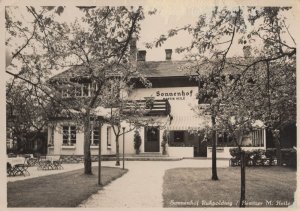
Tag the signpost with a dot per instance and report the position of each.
(123, 147)
(99, 160)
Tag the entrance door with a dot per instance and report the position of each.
(151, 139)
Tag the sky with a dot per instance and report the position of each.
(168, 16)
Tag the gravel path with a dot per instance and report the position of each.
(142, 185)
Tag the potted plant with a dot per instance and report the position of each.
(137, 142)
(164, 142)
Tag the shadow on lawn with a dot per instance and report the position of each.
(67, 189)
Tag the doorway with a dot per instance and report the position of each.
(151, 139)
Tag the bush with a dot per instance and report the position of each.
(137, 140)
(270, 153)
(164, 142)
(289, 157)
(234, 152)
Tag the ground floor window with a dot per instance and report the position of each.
(108, 136)
(224, 139)
(69, 135)
(257, 137)
(95, 135)
(179, 136)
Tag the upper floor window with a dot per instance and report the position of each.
(80, 90)
(69, 135)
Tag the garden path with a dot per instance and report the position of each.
(142, 185)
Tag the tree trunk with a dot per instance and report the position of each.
(87, 143)
(117, 151)
(276, 140)
(214, 150)
(243, 179)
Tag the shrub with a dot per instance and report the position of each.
(289, 157)
(270, 153)
(164, 142)
(234, 152)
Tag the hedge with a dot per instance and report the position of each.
(288, 155)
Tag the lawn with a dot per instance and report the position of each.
(193, 187)
(67, 189)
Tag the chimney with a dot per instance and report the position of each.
(133, 49)
(141, 56)
(168, 54)
(247, 51)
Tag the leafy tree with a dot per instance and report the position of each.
(237, 91)
(25, 114)
(97, 44)
(263, 34)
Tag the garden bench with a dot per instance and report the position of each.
(17, 166)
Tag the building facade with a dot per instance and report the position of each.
(175, 96)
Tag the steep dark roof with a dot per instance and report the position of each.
(162, 68)
(148, 68)
(159, 69)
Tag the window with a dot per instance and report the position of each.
(78, 91)
(178, 136)
(108, 135)
(65, 93)
(257, 137)
(223, 139)
(86, 89)
(51, 141)
(81, 90)
(69, 135)
(95, 135)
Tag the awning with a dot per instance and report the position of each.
(155, 121)
(189, 122)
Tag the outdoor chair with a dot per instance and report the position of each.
(17, 166)
(50, 163)
(9, 169)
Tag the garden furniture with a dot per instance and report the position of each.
(17, 166)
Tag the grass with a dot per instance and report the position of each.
(67, 189)
(193, 187)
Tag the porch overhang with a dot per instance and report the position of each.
(189, 122)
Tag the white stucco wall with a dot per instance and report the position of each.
(182, 152)
(77, 149)
(59, 149)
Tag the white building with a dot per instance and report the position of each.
(175, 95)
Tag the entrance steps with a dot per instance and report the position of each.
(149, 154)
(145, 156)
